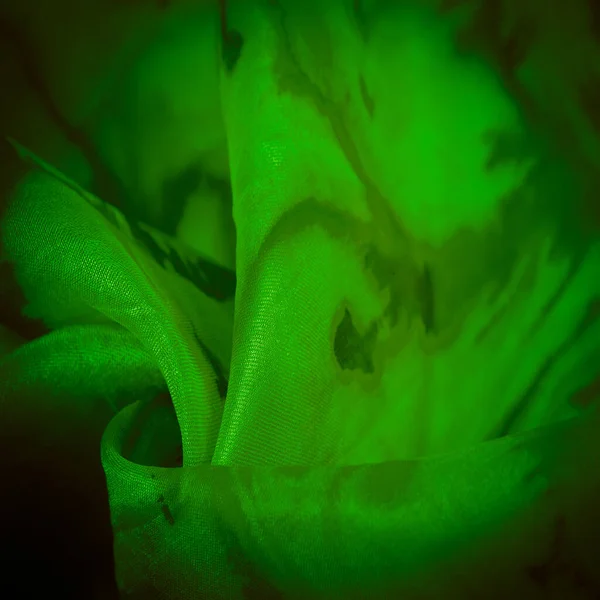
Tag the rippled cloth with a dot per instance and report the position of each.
(391, 394)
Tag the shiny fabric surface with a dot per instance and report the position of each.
(350, 348)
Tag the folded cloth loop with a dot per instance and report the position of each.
(396, 529)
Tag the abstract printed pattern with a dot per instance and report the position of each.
(393, 389)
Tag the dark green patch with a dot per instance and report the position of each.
(589, 394)
(383, 269)
(211, 279)
(392, 275)
(560, 565)
(176, 191)
(309, 213)
(450, 5)
(427, 300)
(366, 97)
(484, 36)
(589, 98)
(292, 79)
(254, 582)
(360, 18)
(517, 412)
(563, 288)
(12, 306)
(155, 436)
(232, 49)
(217, 367)
(105, 183)
(353, 351)
(221, 186)
(507, 147)
(107, 211)
(594, 18)
(13, 170)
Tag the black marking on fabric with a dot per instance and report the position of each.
(211, 279)
(427, 300)
(353, 351)
(166, 511)
(222, 383)
(176, 191)
(179, 456)
(366, 96)
(232, 46)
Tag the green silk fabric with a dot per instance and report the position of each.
(382, 384)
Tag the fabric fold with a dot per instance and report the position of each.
(77, 262)
(395, 393)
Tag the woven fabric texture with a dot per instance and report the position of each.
(359, 359)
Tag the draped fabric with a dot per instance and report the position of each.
(350, 349)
